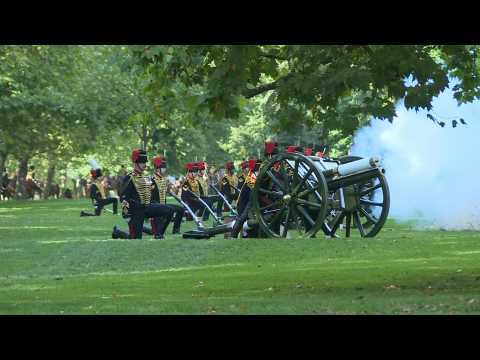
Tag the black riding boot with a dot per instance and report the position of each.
(119, 234)
(84, 213)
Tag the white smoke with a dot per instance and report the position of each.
(94, 164)
(433, 173)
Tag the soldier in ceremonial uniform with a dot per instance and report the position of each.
(203, 188)
(98, 194)
(210, 199)
(190, 187)
(271, 149)
(136, 197)
(321, 150)
(243, 174)
(244, 202)
(229, 183)
(159, 194)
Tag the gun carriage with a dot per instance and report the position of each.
(300, 195)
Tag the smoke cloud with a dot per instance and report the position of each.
(433, 173)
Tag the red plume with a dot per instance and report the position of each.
(159, 161)
(292, 149)
(270, 147)
(252, 164)
(135, 155)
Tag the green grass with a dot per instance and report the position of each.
(54, 262)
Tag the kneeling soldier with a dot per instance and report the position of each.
(202, 179)
(98, 194)
(136, 194)
(243, 174)
(159, 194)
(192, 187)
(244, 202)
(229, 183)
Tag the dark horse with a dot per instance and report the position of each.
(53, 191)
(7, 192)
(7, 188)
(31, 187)
(114, 183)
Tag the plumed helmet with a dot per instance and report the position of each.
(201, 165)
(96, 169)
(271, 148)
(230, 165)
(294, 148)
(96, 173)
(190, 167)
(139, 156)
(254, 164)
(159, 162)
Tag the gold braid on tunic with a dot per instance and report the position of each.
(194, 186)
(203, 182)
(232, 181)
(250, 180)
(143, 185)
(100, 187)
(161, 186)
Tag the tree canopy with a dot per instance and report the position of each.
(60, 105)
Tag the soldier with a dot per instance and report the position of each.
(98, 193)
(210, 199)
(294, 148)
(243, 174)
(244, 203)
(229, 183)
(190, 187)
(159, 194)
(213, 181)
(271, 149)
(321, 150)
(136, 196)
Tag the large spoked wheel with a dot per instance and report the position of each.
(365, 208)
(290, 197)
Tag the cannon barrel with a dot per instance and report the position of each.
(336, 184)
(351, 167)
(357, 166)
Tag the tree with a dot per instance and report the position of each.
(336, 84)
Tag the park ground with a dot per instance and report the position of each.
(54, 262)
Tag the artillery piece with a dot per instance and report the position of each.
(299, 195)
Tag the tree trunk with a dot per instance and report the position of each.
(3, 161)
(50, 175)
(144, 137)
(172, 153)
(20, 191)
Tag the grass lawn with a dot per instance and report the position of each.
(54, 262)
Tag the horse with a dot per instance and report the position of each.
(115, 183)
(31, 187)
(53, 191)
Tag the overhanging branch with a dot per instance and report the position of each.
(266, 87)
